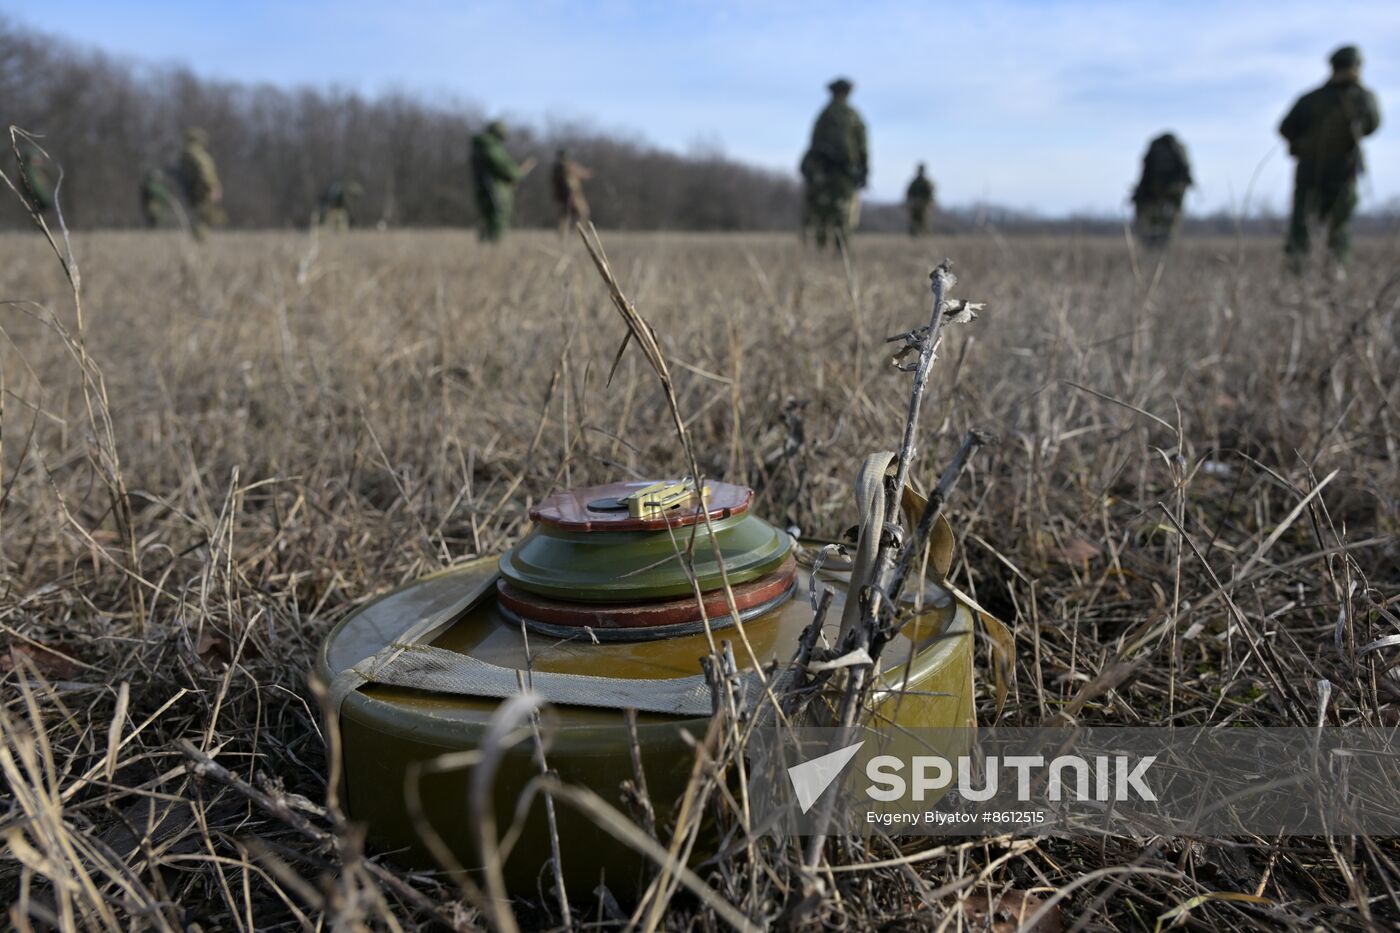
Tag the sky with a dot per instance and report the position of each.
(1046, 106)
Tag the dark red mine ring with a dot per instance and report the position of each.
(647, 614)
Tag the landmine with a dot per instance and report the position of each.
(595, 611)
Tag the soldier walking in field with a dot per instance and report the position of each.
(335, 208)
(199, 180)
(35, 181)
(1324, 132)
(567, 180)
(156, 200)
(495, 175)
(1166, 175)
(918, 198)
(834, 169)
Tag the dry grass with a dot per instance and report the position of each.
(296, 429)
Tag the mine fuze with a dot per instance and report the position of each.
(608, 604)
(607, 562)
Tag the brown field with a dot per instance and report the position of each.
(242, 442)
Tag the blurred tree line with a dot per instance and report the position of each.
(105, 121)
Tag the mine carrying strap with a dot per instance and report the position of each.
(410, 661)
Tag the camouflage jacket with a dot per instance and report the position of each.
(1325, 128)
(153, 186)
(491, 163)
(838, 145)
(566, 180)
(920, 191)
(338, 196)
(1166, 170)
(198, 176)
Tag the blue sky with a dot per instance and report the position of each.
(1043, 105)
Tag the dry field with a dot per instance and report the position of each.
(240, 443)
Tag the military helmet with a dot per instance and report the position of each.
(840, 86)
(196, 134)
(496, 128)
(1346, 58)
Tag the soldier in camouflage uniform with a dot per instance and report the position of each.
(335, 209)
(834, 169)
(1324, 132)
(495, 175)
(567, 180)
(199, 180)
(918, 198)
(1166, 175)
(36, 183)
(156, 200)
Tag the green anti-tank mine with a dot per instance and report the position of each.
(595, 610)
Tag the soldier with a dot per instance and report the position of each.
(335, 208)
(496, 175)
(1166, 174)
(36, 182)
(835, 168)
(1324, 132)
(156, 200)
(918, 198)
(199, 179)
(568, 178)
